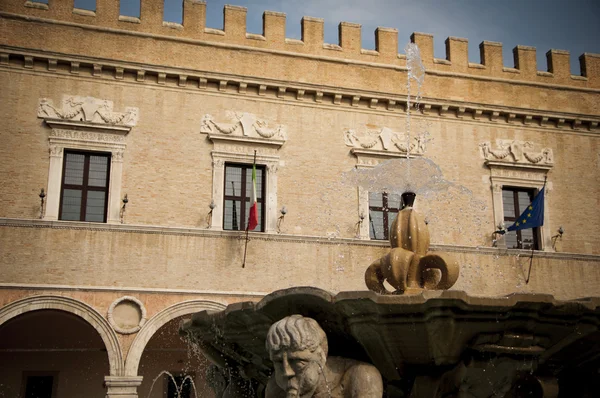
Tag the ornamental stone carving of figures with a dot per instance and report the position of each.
(87, 109)
(243, 124)
(517, 151)
(298, 348)
(384, 139)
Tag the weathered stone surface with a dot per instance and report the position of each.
(298, 347)
(432, 342)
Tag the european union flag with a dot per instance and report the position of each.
(533, 216)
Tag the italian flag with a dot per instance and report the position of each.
(253, 216)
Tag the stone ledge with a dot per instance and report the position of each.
(121, 289)
(273, 237)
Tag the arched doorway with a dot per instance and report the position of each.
(157, 349)
(168, 364)
(51, 353)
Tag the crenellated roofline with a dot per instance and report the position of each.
(234, 32)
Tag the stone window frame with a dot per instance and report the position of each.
(535, 233)
(84, 187)
(527, 176)
(386, 210)
(243, 215)
(88, 137)
(246, 139)
(270, 162)
(368, 159)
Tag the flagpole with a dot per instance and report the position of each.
(530, 264)
(248, 224)
(372, 226)
(245, 248)
(533, 246)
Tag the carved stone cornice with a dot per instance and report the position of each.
(366, 158)
(246, 140)
(83, 135)
(303, 93)
(220, 157)
(86, 140)
(59, 124)
(517, 166)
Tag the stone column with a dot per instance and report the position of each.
(122, 386)
(114, 190)
(218, 193)
(271, 211)
(498, 213)
(363, 209)
(54, 183)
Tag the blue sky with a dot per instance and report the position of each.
(572, 25)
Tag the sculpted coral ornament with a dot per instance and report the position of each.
(408, 267)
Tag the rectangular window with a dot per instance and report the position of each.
(39, 384)
(84, 192)
(178, 386)
(238, 192)
(383, 208)
(514, 202)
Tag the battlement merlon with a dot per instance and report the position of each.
(106, 16)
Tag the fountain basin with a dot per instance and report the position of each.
(417, 341)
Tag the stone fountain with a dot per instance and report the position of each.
(415, 339)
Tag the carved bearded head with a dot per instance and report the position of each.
(298, 348)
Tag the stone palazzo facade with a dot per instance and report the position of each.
(142, 135)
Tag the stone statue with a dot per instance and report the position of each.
(409, 267)
(298, 348)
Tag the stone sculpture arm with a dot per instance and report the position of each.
(362, 381)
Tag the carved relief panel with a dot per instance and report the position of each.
(385, 140)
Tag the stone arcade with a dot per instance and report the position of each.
(92, 291)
